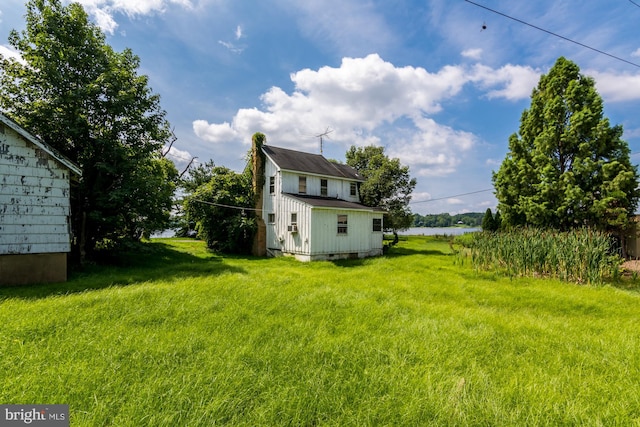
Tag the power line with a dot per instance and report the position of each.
(225, 206)
(455, 195)
(634, 3)
(555, 34)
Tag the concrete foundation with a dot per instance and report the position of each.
(33, 268)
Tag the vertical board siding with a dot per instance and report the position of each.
(359, 237)
(34, 198)
(317, 227)
(336, 188)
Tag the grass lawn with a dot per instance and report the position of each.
(183, 337)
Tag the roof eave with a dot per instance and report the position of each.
(49, 150)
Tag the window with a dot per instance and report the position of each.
(293, 227)
(377, 224)
(272, 218)
(302, 184)
(352, 189)
(342, 224)
(323, 187)
(272, 184)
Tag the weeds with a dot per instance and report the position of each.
(580, 256)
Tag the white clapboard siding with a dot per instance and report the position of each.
(36, 229)
(36, 248)
(34, 170)
(34, 195)
(29, 181)
(56, 190)
(32, 219)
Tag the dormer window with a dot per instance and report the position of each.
(302, 184)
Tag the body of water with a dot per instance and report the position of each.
(413, 231)
(432, 231)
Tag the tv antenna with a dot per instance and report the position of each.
(324, 134)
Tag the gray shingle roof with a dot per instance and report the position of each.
(297, 161)
(329, 202)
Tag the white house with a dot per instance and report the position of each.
(34, 208)
(311, 208)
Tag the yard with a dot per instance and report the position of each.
(178, 336)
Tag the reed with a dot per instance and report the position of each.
(581, 255)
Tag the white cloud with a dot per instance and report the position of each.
(370, 101)
(472, 53)
(232, 47)
(636, 52)
(103, 10)
(180, 158)
(517, 81)
(434, 150)
(216, 133)
(616, 87)
(9, 52)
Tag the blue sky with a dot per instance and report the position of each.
(422, 78)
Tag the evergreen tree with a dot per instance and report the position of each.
(567, 167)
(488, 223)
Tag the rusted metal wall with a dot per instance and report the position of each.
(34, 198)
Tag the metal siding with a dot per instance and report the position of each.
(34, 198)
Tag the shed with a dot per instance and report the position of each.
(35, 183)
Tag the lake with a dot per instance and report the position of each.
(432, 231)
(413, 231)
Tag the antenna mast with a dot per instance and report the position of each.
(322, 135)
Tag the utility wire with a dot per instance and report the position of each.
(411, 203)
(455, 195)
(634, 3)
(554, 34)
(225, 206)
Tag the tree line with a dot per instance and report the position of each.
(470, 219)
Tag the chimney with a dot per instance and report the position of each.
(258, 179)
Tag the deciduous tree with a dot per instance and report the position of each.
(387, 184)
(87, 101)
(222, 210)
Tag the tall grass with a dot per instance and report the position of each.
(182, 337)
(581, 255)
